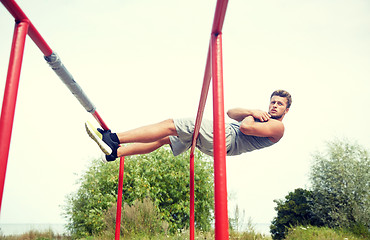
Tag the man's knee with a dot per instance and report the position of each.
(164, 141)
(170, 124)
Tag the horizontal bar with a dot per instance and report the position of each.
(14, 9)
(20, 16)
(53, 60)
(56, 64)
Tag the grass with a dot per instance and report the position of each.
(297, 233)
(184, 235)
(320, 233)
(181, 235)
(36, 235)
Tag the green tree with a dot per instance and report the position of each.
(158, 175)
(293, 211)
(340, 181)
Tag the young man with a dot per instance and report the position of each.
(254, 129)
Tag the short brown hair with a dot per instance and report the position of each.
(283, 93)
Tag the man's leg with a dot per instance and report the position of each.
(150, 133)
(141, 148)
(144, 139)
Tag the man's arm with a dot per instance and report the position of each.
(272, 129)
(238, 114)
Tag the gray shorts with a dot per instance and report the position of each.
(185, 129)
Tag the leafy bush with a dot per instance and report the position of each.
(97, 192)
(359, 230)
(157, 175)
(294, 210)
(339, 196)
(140, 218)
(319, 233)
(340, 181)
(165, 179)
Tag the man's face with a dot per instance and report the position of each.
(278, 107)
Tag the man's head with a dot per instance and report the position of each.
(280, 102)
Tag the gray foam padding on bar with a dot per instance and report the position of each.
(58, 67)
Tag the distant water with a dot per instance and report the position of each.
(263, 228)
(17, 229)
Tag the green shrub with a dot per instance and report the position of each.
(293, 211)
(139, 218)
(165, 179)
(340, 185)
(158, 175)
(319, 233)
(360, 230)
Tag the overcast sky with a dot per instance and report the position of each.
(143, 61)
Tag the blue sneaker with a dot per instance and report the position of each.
(103, 139)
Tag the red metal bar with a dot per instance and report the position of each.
(120, 181)
(10, 98)
(219, 142)
(119, 198)
(100, 120)
(217, 27)
(219, 17)
(192, 198)
(198, 121)
(19, 15)
(218, 20)
(39, 41)
(203, 100)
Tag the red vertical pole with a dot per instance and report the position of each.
(10, 97)
(119, 197)
(198, 121)
(192, 198)
(219, 142)
(120, 181)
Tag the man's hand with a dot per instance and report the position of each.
(239, 114)
(261, 115)
(272, 129)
